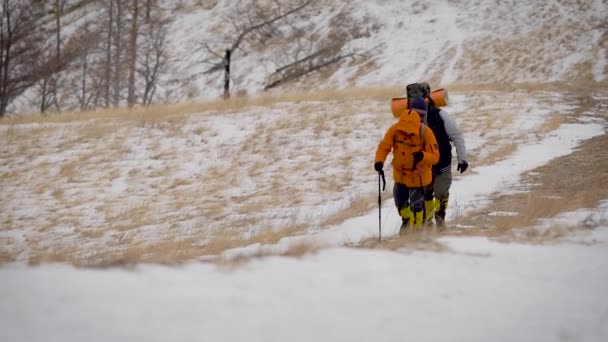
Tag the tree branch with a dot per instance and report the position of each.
(252, 27)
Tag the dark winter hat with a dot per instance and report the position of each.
(418, 103)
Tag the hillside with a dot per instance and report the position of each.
(322, 44)
(398, 42)
(257, 218)
(268, 209)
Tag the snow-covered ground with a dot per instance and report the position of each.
(477, 291)
(85, 190)
(474, 289)
(402, 41)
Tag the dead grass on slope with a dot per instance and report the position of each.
(274, 194)
(6, 254)
(172, 113)
(170, 251)
(412, 241)
(553, 123)
(582, 88)
(566, 184)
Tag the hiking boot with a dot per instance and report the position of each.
(440, 224)
(404, 227)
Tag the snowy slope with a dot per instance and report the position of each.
(477, 291)
(91, 190)
(443, 42)
(388, 43)
(162, 188)
(471, 289)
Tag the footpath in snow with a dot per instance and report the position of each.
(478, 291)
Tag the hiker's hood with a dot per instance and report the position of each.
(409, 117)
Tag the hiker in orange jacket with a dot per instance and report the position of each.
(415, 151)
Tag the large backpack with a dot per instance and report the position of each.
(417, 90)
(406, 142)
(438, 97)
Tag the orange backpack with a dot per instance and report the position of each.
(399, 105)
(407, 140)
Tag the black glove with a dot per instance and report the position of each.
(417, 156)
(462, 166)
(378, 166)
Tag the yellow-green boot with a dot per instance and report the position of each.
(418, 219)
(407, 219)
(441, 207)
(429, 212)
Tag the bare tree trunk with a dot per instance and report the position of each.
(53, 82)
(58, 13)
(108, 68)
(21, 41)
(148, 9)
(134, 33)
(5, 54)
(227, 75)
(117, 56)
(44, 94)
(243, 31)
(152, 57)
(83, 104)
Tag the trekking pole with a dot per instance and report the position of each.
(417, 166)
(380, 176)
(419, 175)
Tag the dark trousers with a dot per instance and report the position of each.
(408, 197)
(437, 195)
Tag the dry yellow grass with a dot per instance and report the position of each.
(552, 124)
(88, 233)
(271, 236)
(45, 251)
(357, 206)
(554, 189)
(179, 182)
(176, 112)
(95, 131)
(413, 240)
(177, 250)
(498, 154)
(273, 192)
(6, 256)
(301, 248)
(58, 194)
(529, 87)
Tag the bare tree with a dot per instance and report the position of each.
(247, 22)
(88, 82)
(254, 24)
(152, 59)
(312, 52)
(58, 12)
(118, 34)
(48, 86)
(133, 53)
(116, 60)
(316, 57)
(148, 9)
(108, 61)
(21, 37)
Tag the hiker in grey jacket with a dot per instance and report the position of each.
(446, 131)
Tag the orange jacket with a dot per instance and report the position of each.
(404, 172)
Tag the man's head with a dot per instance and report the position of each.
(420, 106)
